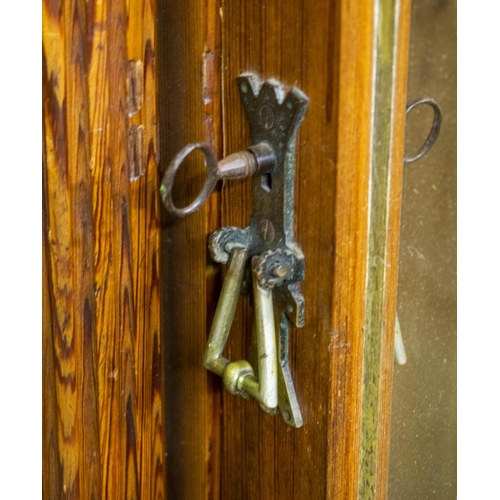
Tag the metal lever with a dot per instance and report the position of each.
(239, 376)
(266, 249)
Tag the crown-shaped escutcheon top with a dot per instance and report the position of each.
(273, 115)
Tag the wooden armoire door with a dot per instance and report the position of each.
(130, 291)
(350, 59)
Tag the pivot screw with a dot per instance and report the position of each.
(280, 271)
(266, 230)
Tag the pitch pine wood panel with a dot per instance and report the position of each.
(103, 270)
(51, 471)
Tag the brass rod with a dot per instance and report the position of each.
(224, 314)
(267, 388)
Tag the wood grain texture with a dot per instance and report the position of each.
(343, 221)
(355, 101)
(189, 98)
(103, 254)
(325, 48)
(51, 469)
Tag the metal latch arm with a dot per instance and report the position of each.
(238, 376)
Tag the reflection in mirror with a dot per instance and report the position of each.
(423, 428)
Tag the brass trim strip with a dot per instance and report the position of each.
(386, 20)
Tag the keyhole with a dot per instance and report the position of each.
(266, 181)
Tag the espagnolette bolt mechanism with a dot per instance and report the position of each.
(263, 257)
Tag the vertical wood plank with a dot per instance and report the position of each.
(189, 97)
(212, 123)
(59, 243)
(51, 467)
(325, 48)
(154, 456)
(70, 236)
(77, 126)
(141, 78)
(329, 54)
(103, 233)
(355, 67)
(122, 459)
(98, 83)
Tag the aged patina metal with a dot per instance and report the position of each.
(435, 128)
(266, 249)
(255, 160)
